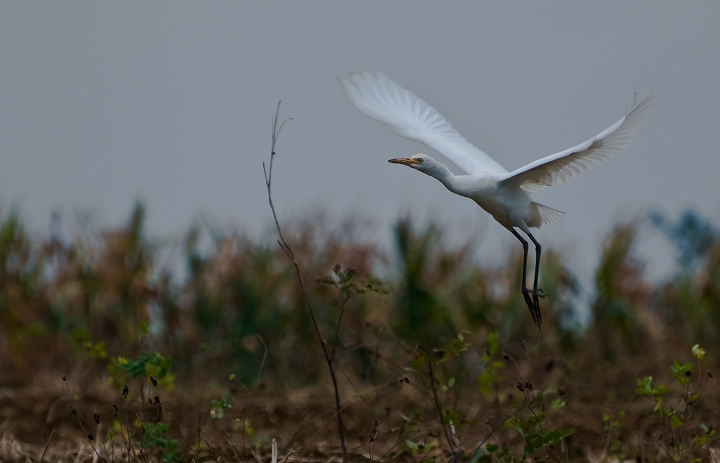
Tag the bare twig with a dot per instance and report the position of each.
(46, 446)
(497, 425)
(438, 406)
(262, 364)
(347, 404)
(212, 454)
(376, 427)
(73, 411)
(232, 447)
(528, 391)
(337, 327)
(342, 370)
(289, 252)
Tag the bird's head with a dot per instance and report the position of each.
(421, 162)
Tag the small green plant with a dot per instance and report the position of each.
(422, 448)
(611, 425)
(220, 406)
(345, 281)
(93, 350)
(153, 365)
(679, 419)
(530, 426)
(490, 375)
(153, 440)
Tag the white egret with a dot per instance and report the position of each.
(501, 193)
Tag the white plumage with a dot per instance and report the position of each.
(383, 99)
(501, 193)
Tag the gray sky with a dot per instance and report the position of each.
(103, 103)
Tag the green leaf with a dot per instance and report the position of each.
(552, 437)
(491, 448)
(698, 441)
(453, 349)
(418, 362)
(492, 343)
(644, 386)
(481, 456)
(675, 422)
(537, 419)
(698, 351)
(681, 373)
(451, 416)
(80, 335)
(660, 391)
(98, 351)
(326, 280)
(681, 369)
(557, 403)
(658, 406)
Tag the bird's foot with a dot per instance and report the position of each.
(538, 293)
(533, 305)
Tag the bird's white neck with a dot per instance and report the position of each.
(442, 173)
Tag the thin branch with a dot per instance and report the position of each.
(495, 428)
(342, 370)
(73, 411)
(289, 252)
(42, 457)
(212, 454)
(262, 364)
(337, 327)
(376, 426)
(347, 405)
(438, 405)
(232, 447)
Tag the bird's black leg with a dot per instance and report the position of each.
(534, 308)
(538, 250)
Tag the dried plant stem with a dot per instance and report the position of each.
(289, 252)
(262, 364)
(337, 327)
(376, 426)
(73, 411)
(46, 446)
(457, 452)
(212, 454)
(322, 426)
(497, 425)
(232, 447)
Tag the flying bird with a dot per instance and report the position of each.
(504, 195)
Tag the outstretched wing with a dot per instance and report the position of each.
(569, 163)
(383, 99)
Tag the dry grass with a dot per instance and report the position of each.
(74, 308)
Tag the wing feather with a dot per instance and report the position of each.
(409, 116)
(566, 164)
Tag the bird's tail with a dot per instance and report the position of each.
(548, 215)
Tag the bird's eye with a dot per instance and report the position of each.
(419, 160)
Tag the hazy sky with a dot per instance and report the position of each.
(103, 103)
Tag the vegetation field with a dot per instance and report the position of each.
(107, 355)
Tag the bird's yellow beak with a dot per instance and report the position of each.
(405, 161)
